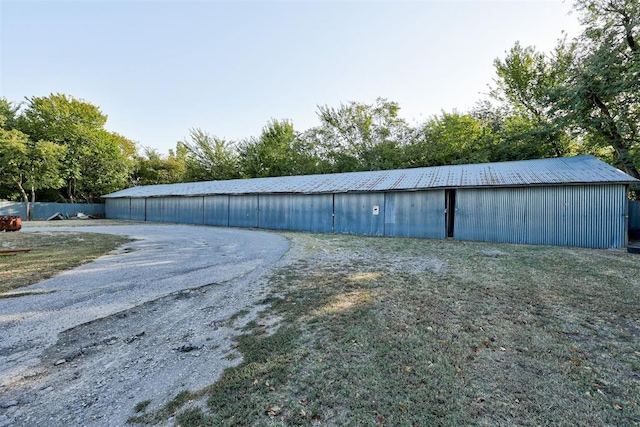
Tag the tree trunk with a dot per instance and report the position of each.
(33, 201)
(70, 191)
(616, 140)
(622, 155)
(25, 198)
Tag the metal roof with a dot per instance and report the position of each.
(555, 171)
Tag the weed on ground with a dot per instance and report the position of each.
(411, 332)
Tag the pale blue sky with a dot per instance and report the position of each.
(158, 68)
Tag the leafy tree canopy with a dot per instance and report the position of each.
(208, 157)
(95, 161)
(154, 168)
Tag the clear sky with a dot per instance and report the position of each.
(159, 68)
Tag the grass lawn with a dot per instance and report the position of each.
(50, 253)
(408, 332)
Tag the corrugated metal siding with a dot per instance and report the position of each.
(191, 210)
(275, 212)
(299, 212)
(634, 215)
(582, 216)
(313, 212)
(559, 171)
(13, 209)
(415, 214)
(184, 210)
(138, 209)
(354, 214)
(490, 215)
(117, 208)
(171, 211)
(243, 211)
(154, 209)
(45, 210)
(216, 210)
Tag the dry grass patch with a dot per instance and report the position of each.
(50, 253)
(381, 331)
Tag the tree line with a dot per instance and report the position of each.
(581, 98)
(56, 147)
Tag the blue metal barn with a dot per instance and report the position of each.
(572, 201)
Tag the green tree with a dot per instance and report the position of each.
(96, 161)
(451, 138)
(58, 117)
(8, 114)
(153, 168)
(278, 151)
(208, 158)
(29, 166)
(601, 94)
(102, 163)
(359, 136)
(525, 84)
(585, 96)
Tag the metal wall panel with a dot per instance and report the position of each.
(415, 214)
(171, 209)
(583, 216)
(138, 209)
(243, 211)
(312, 212)
(491, 216)
(45, 210)
(154, 209)
(183, 210)
(275, 212)
(354, 213)
(216, 210)
(13, 209)
(191, 210)
(302, 212)
(117, 208)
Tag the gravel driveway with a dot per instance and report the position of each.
(142, 323)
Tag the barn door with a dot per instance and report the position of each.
(450, 210)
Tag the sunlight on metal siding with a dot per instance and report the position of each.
(13, 209)
(243, 211)
(138, 209)
(216, 210)
(118, 208)
(299, 212)
(415, 214)
(354, 214)
(582, 216)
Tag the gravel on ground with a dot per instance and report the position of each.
(144, 322)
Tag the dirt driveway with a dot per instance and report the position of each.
(142, 323)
